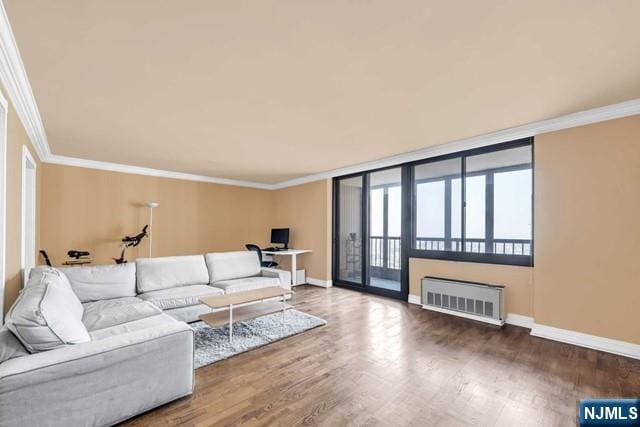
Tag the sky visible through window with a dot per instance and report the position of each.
(394, 211)
(512, 207)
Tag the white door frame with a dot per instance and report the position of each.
(4, 106)
(28, 249)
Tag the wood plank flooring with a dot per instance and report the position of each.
(383, 362)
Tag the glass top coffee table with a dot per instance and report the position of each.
(239, 306)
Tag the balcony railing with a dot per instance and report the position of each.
(500, 246)
(385, 255)
(385, 252)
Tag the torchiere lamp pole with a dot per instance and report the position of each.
(151, 206)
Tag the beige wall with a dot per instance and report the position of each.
(92, 210)
(587, 229)
(586, 269)
(586, 275)
(518, 281)
(16, 139)
(306, 210)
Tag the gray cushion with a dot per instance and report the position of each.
(246, 284)
(101, 382)
(188, 314)
(108, 313)
(156, 321)
(168, 272)
(10, 347)
(179, 297)
(232, 265)
(47, 314)
(93, 283)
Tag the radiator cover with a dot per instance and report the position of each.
(478, 301)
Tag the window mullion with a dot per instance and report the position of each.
(489, 212)
(463, 204)
(447, 214)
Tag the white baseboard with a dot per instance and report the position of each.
(580, 339)
(415, 299)
(319, 282)
(519, 320)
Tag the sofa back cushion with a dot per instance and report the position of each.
(10, 347)
(232, 265)
(47, 313)
(102, 281)
(155, 274)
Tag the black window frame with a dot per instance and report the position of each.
(462, 255)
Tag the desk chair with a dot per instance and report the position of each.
(252, 247)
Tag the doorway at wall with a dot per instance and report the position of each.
(369, 232)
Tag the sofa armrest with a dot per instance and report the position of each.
(100, 382)
(71, 353)
(282, 275)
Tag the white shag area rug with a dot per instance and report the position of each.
(212, 344)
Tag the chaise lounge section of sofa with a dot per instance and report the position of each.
(90, 362)
(96, 345)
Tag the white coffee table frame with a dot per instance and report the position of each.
(245, 305)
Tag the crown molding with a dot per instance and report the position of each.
(15, 81)
(595, 115)
(138, 170)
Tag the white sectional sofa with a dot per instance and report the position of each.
(97, 345)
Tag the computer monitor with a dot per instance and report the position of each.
(280, 235)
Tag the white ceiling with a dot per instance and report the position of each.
(272, 90)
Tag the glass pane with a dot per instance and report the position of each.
(395, 211)
(512, 212)
(377, 212)
(456, 209)
(502, 179)
(438, 205)
(430, 215)
(385, 227)
(476, 212)
(350, 229)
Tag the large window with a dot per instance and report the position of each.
(475, 205)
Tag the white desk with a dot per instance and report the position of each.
(293, 253)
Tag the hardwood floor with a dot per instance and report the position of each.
(385, 362)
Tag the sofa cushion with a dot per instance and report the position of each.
(10, 347)
(44, 273)
(47, 313)
(156, 321)
(108, 313)
(155, 274)
(93, 283)
(179, 297)
(246, 284)
(188, 314)
(232, 265)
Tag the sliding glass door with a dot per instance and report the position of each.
(473, 206)
(348, 251)
(385, 229)
(369, 232)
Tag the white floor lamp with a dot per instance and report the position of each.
(151, 206)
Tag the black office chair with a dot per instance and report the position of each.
(252, 247)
